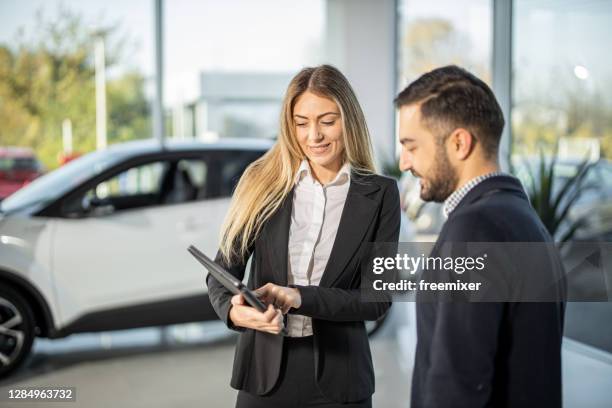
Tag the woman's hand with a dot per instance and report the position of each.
(281, 297)
(246, 316)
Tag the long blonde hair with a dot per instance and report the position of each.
(266, 182)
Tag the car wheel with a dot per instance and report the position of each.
(16, 330)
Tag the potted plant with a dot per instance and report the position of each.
(552, 196)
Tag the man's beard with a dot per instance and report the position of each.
(441, 181)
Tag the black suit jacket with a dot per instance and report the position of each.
(343, 364)
(489, 354)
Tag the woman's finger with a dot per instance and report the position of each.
(266, 299)
(269, 314)
(275, 324)
(271, 328)
(263, 290)
(237, 300)
(279, 318)
(278, 303)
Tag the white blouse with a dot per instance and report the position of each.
(315, 218)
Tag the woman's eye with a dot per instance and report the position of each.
(328, 123)
(300, 124)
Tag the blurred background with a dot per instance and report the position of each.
(124, 126)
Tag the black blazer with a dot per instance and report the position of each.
(489, 354)
(343, 363)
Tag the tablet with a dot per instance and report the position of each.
(228, 280)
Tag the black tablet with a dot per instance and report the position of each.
(228, 280)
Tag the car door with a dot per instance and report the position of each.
(129, 247)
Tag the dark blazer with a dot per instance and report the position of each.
(343, 362)
(489, 354)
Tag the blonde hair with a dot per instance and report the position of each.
(266, 182)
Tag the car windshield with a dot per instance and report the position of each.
(58, 182)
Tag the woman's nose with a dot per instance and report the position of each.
(314, 133)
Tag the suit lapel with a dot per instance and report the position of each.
(357, 214)
(277, 234)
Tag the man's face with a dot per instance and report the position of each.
(424, 156)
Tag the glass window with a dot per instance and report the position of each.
(139, 180)
(228, 63)
(26, 163)
(136, 187)
(20, 163)
(562, 74)
(232, 165)
(196, 170)
(52, 185)
(434, 34)
(50, 57)
(431, 35)
(6, 164)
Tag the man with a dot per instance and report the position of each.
(475, 354)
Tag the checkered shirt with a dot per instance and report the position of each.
(454, 199)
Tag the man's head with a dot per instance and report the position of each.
(450, 128)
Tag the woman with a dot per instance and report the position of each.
(306, 211)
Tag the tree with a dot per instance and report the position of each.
(430, 43)
(50, 77)
(563, 106)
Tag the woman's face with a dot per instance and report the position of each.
(318, 126)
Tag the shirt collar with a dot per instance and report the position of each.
(304, 171)
(454, 199)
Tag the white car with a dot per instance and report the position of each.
(101, 243)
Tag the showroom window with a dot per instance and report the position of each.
(562, 73)
(51, 54)
(227, 64)
(433, 34)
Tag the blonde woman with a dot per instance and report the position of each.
(306, 212)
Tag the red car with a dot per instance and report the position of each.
(18, 166)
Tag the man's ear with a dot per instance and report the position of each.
(461, 143)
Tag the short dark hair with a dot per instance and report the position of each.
(451, 97)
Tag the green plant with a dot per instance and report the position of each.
(553, 202)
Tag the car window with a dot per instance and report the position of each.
(185, 180)
(145, 179)
(162, 182)
(6, 164)
(197, 171)
(136, 187)
(19, 163)
(232, 164)
(48, 187)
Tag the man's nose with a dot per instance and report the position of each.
(405, 164)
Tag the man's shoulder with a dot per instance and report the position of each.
(470, 224)
(500, 216)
